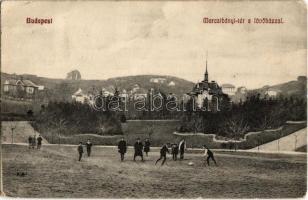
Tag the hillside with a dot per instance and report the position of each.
(62, 89)
(296, 88)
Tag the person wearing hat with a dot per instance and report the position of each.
(89, 147)
(39, 142)
(30, 141)
(122, 148)
(138, 146)
(80, 150)
(182, 147)
(147, 145)
(174, 151)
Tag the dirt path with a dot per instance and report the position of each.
(21, 131)
(288, 143)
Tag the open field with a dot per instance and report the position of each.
(55, 172)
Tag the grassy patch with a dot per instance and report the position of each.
(55, 172)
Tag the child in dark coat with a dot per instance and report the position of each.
(138, 149)
(174, 151)
(147, 145)
(80, 150)
(122, 148)
(163, 154)
(89, 147)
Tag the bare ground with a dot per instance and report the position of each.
(55, 172)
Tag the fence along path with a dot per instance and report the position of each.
(287, 143)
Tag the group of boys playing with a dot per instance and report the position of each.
(175, 150)
(140, 148)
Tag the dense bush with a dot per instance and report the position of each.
(74, 118)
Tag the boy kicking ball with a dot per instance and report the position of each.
(209, 154)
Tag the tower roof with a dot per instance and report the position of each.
(206, 75)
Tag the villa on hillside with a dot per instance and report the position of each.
(158, 80)
(272, 92)
(171, 84)
(21, 88)
(80, 97)
(228, 89)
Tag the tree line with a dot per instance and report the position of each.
(255, 114)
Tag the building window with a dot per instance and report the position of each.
(30, 90)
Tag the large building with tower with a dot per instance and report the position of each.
(207, 95)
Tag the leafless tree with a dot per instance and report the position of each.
(236, 128)
(59, 123)
(265, 123)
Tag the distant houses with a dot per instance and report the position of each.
(171, 84)
(162, 81)
(21, 89)
(242, 90)
(80, 97)
(158, 80)
(228, 89)
(272, 92)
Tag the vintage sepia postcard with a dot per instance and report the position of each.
(154, 99)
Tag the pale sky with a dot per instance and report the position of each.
(105, 39)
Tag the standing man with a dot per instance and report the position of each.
(138, 149)
(80, 150)
(122, 148)
(182, 147)
(30, 141)
(174, 151)
(33, 141)
(163, 154)
(147, 145)
(210, 155)
(89, 146)
(39, 142)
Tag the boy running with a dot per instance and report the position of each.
(163, 152)
(209, 154)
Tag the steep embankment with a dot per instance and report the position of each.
(290, 142)
(21, 131)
